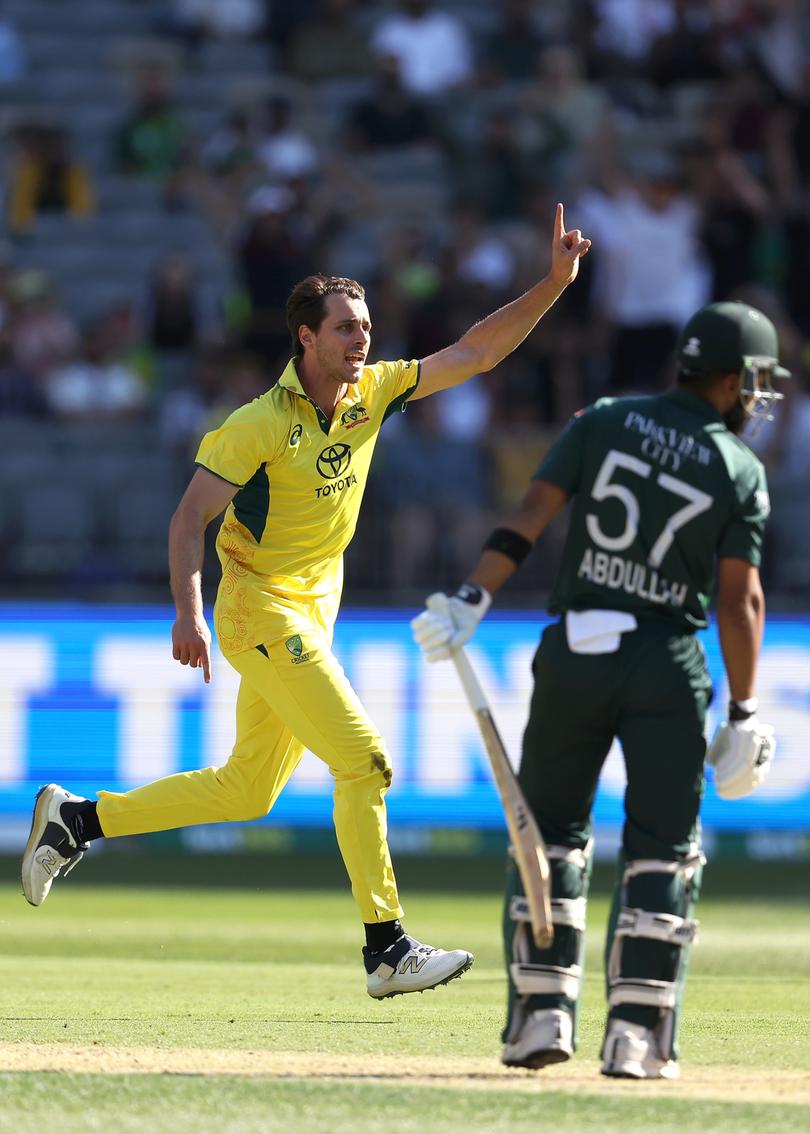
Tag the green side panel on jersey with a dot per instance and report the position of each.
(252, 503)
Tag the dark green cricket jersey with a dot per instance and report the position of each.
(661, 488)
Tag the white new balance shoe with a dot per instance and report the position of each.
(51, 847)
(410, 966)
(631, 1051)
(546, 1037)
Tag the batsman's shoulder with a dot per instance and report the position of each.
(740, 459)
(609, 407)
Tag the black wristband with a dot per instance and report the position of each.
(740, 711)
(469, 592)
(510, 543)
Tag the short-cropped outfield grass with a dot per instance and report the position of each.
(243, 1009)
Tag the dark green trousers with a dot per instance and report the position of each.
(652, 694)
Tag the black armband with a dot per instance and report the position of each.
(510, 543)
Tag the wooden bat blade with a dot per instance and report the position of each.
(527, 842)
(528, 846)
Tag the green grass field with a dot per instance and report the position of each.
(243, 1009)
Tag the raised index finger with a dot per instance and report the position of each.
(559, 222)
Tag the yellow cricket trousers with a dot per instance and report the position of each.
(286, 703)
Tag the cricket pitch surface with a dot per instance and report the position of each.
(580, 1076)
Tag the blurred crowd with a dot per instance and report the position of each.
(420, 147)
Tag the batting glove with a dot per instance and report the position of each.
(741, 751)
(450, 621)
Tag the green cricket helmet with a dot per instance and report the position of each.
(731, 336)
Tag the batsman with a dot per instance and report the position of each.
(666, 503)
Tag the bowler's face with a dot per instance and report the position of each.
(342, 342)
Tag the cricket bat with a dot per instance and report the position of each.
(527, 842)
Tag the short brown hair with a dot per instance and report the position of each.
(306, 306)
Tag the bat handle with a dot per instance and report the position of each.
(470, 683)
(439, 604)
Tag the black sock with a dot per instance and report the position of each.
(381, 934)
(82, 819)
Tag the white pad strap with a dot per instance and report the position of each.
(685, 866)
(519, 909)
(569, 911)
(550, 980)
(564, 911)
(666, 927)
(578, 856)
(651, 993)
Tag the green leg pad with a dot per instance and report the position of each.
(569, 882)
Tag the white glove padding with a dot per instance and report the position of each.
(450, 621)
(741, 753)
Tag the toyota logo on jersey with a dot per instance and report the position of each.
(333, 461)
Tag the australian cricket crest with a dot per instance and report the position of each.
(354, 416)
(296, 647)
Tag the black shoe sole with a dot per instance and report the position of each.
(538, 1060)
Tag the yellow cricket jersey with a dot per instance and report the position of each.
(301, 481)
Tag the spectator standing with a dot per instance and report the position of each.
(789, 152)
(620, 34)
(483, 260)
(563, 120)
(273, 254)
(649, 273)
(176, 319)
(733, 200)
(227, 169)
(433, 48)
(43, 336)
(285, 152)
(231, 149)
(172, 310)
(151, 140)
(95, 387)
(46, 178)
(390, 116)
